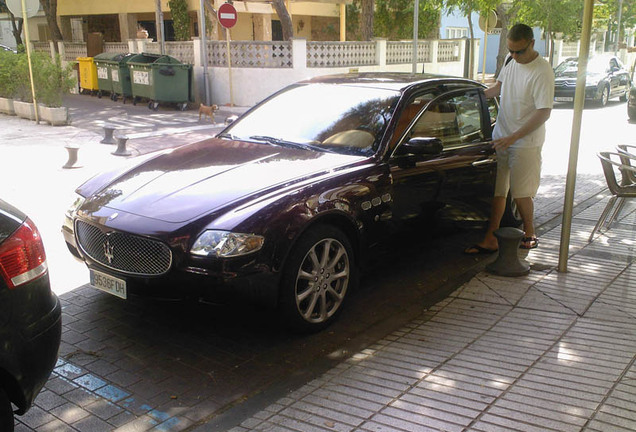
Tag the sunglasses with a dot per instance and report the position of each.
(521, 51)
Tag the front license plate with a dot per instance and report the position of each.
(109, 284)
(564, 99)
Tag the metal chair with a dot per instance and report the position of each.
(620, 192)
(627, 152)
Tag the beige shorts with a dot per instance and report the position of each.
(518, 170)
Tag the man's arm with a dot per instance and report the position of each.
(539, 117)
(493, 91)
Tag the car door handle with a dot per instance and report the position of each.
(486, 161)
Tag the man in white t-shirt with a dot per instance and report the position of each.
(526, 87)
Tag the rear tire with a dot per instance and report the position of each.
(6, 413)
(511, 216)
(317, 278)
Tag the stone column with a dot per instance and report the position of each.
(299, 53)
(262, 24)
(380, 52)
(343, 22)
(127, 26)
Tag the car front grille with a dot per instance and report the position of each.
(124, 252)
(566, 84)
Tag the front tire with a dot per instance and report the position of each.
(604, 96)
(317, 277)
(6, 413)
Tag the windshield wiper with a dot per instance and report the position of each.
(285, 143)
(227, 135)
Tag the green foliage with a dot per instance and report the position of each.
(51, 80)
(181, 19)
(563, 16)
(8, 83)
(393, 19)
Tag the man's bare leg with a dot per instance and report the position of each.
(526, 210)
(496, 213)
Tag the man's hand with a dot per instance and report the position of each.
(504, 143)
(539, 117)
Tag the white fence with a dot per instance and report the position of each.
(294, 60)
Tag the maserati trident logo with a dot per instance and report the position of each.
(108, 251)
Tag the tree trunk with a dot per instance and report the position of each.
(506, 15)
(16, 28)
(50, 10)
(366, 20)
(285, 19)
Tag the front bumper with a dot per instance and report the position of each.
(191, 277)
(566, 94)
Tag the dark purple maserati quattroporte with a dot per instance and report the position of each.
(282, 205)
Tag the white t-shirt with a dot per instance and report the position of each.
(524, 89)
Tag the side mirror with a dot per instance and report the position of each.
(422, 146)
(231, 119)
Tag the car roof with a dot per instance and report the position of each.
(398, 81)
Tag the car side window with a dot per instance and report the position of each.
(411, 110)
(493, 111)
(455, 120)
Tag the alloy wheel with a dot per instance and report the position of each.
(322, 280)
(604, 96)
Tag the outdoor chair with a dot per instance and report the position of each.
(620, 192)
(627, 152)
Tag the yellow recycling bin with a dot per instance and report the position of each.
(88, 74)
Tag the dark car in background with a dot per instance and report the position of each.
(284, 205)
(30, 315)
(605, 78)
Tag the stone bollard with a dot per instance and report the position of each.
(121, 147)
(508, 262)
(108, 135)
(73, 151)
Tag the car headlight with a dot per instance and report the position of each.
(72, 211)
(225, 244)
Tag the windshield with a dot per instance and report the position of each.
(595, 66)
(336, 118)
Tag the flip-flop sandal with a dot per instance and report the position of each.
(529, 242)
(478, 250)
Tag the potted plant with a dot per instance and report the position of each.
(51, 80)
(7, 81)
(22, 98)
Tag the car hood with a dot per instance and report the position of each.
(183, 183)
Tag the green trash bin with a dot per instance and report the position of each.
(160, 78)
(104, 82)
(115, 66)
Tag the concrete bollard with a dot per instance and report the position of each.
(73, 151)
(108, 135)
(121, 147)
(508, 262)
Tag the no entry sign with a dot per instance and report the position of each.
(227, 15)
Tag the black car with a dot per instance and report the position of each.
(284, 205)
(606, 78)
(30, 315)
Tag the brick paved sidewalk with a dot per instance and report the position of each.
(546, 352)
